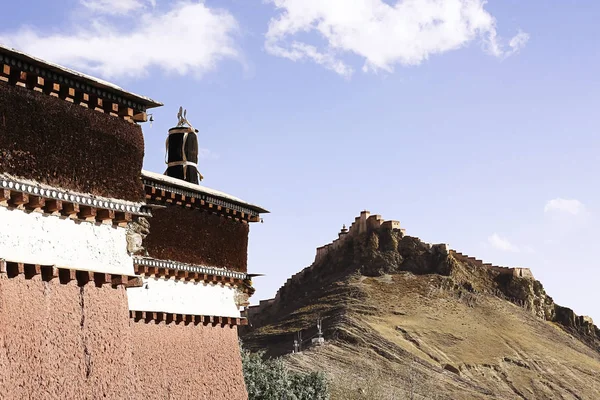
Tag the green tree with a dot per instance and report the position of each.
(271, 380)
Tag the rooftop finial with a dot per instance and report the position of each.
(182, 118)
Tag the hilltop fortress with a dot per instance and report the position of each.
(366, 222)
(362, 225)
(373, 246)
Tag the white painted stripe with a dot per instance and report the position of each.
(34, 238)
(183, 297)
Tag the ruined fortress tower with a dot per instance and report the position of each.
(114, 282)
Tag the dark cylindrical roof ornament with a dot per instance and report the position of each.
(182, 151)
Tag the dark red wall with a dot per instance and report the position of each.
(197, 237)
(66, 145)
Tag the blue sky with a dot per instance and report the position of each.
(474, 124)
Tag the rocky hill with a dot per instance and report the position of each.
(406, 319)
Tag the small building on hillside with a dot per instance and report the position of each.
(114, 282)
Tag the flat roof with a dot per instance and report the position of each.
(16, 57)
(174, 182)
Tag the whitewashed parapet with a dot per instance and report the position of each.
(159, 294)
(36, 238)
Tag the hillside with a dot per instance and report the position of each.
(405, 319)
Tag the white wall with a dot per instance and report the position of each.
(183, 297)
(34, 238)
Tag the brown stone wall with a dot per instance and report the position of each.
(61, 341)
(179, 361)
(197, 237)
(55, 142)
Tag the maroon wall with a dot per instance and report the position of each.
(197, 237)
(63, 341)
(179, 361)
(62, 144)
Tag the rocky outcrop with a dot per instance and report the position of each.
(527, 293)
(581, 324)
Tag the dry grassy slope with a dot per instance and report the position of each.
(402, 334)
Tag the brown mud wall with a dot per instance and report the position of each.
(61, 144)
(197, 237)
(62, 341)
(173, 359)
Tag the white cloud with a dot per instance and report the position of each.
(188, 38)
(569, 206)
(501, 243)
(384, 35)
(116, 7)
(518, 42)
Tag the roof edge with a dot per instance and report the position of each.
(147, 102)
(174, 182)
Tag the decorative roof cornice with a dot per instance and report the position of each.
(21, 69)
(157, 317)
(35, 196)
(151, 266)
(162, 188)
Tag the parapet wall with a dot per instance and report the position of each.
(52, 141)
(197, 237)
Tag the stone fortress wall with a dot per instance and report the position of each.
(363, 223)
(513, 271)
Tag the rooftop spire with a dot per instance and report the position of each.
(182, 150)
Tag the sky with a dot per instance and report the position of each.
(473, 123)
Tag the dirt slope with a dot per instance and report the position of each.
(404, 319)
